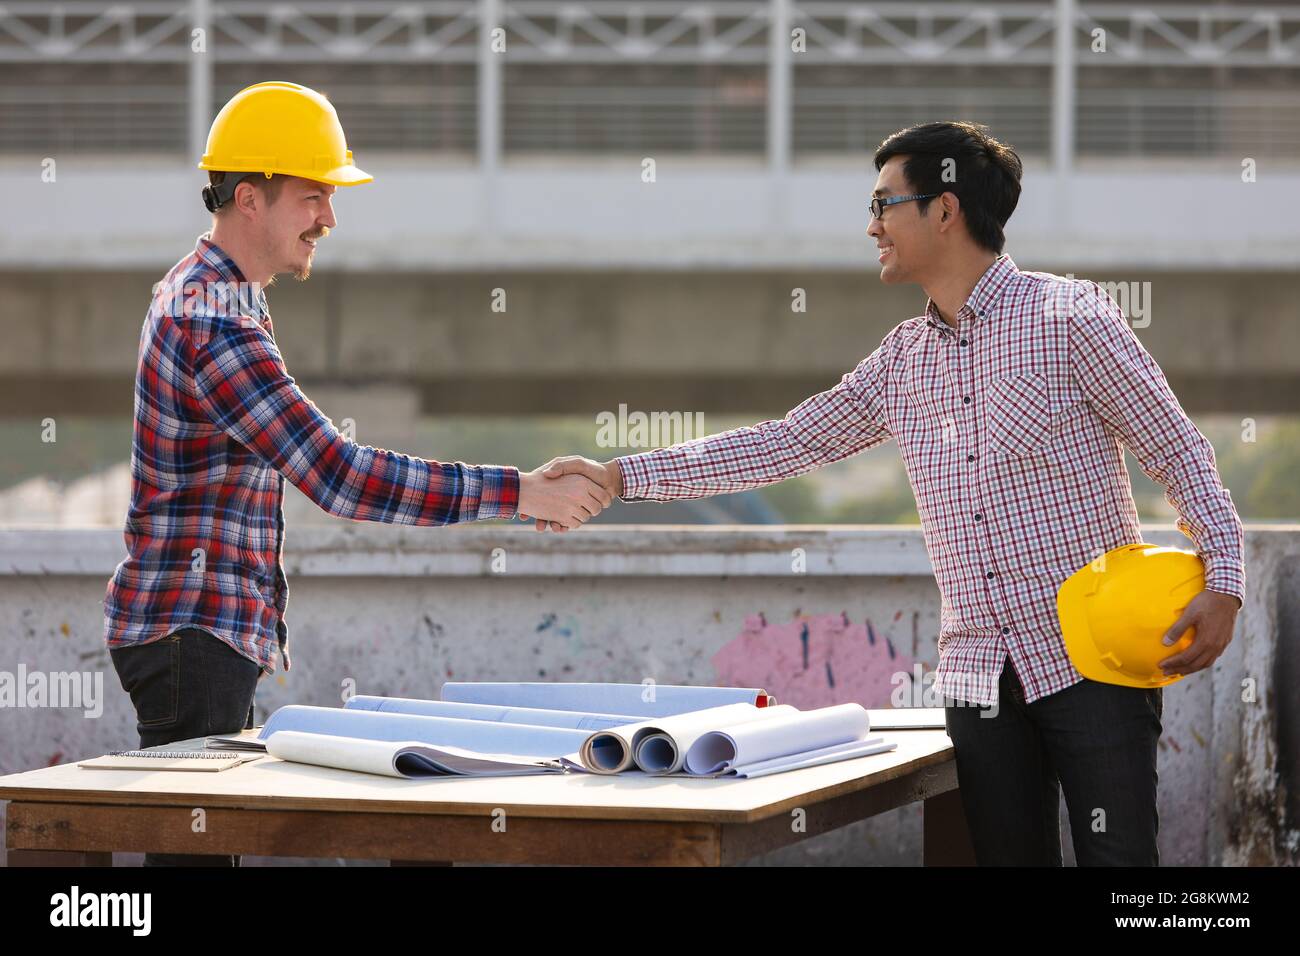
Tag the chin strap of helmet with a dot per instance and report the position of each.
(214, 197)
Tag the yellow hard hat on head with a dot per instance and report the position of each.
(281, 128)
(1115, 611)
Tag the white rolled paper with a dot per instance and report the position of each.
(660, 746)
(614, 750)
(786, 734)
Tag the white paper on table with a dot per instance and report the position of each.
(659, 746)
(613, 750)
(483, 736)
(813, 758)
(783, 735)
(531, 716)
(408, 759)
(668, 699)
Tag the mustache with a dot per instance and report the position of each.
(324, 231)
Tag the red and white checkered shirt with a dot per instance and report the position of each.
(1012, 428)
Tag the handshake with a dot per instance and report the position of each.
(568, 491)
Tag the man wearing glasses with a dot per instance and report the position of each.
(1012, 399)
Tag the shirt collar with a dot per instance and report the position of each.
(252, 297)
(983, 298)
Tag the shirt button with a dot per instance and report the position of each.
(966, 399)
(978, 516)
(1006, 630)
(988, 574)
(970, 457)
(964, 342)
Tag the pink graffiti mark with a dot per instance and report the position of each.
(813, 661)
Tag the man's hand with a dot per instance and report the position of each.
(607, 475)
(1213, 614)
(565, 501)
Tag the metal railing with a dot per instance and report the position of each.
(633, 119)
(779, 112)
(1189, 123)
(561, 118)
(851, 120)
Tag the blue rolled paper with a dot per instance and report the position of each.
(480, 735)
(667, 699)
(512, 715)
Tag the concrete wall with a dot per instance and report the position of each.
(399, 611)
(586, 341)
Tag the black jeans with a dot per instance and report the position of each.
(1097, 741)
(188, 684)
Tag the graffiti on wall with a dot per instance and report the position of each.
(814, 661)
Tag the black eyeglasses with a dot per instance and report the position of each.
(878, 205)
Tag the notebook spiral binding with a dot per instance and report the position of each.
(200, 754)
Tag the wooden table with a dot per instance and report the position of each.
(71, 816)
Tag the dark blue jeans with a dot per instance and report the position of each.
(1096, 741)
(188, 684)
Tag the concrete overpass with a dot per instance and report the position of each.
(667, 295)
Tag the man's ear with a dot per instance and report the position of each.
(951, 206)
(245, 199)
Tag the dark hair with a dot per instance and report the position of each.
(987, 173)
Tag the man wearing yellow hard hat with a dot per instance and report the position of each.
(194, 615)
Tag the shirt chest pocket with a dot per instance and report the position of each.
(1019, 414)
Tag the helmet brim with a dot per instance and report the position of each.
(347, 175)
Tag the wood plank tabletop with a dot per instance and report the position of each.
(272, 784)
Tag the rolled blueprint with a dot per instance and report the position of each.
(614, 750)
(479, 735)
(513, 715)
(665, 700)
(660, 745)
(720, 750)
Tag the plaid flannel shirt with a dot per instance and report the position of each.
(219, 426)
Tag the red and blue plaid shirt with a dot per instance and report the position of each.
(1012, 428)
(219, 425)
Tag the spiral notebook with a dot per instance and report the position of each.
(195, 760)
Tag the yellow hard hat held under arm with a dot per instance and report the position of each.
(1115, 611)
(278, 128)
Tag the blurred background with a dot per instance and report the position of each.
(589, 214)
(621, 209)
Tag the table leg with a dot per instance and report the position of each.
(946, 839)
